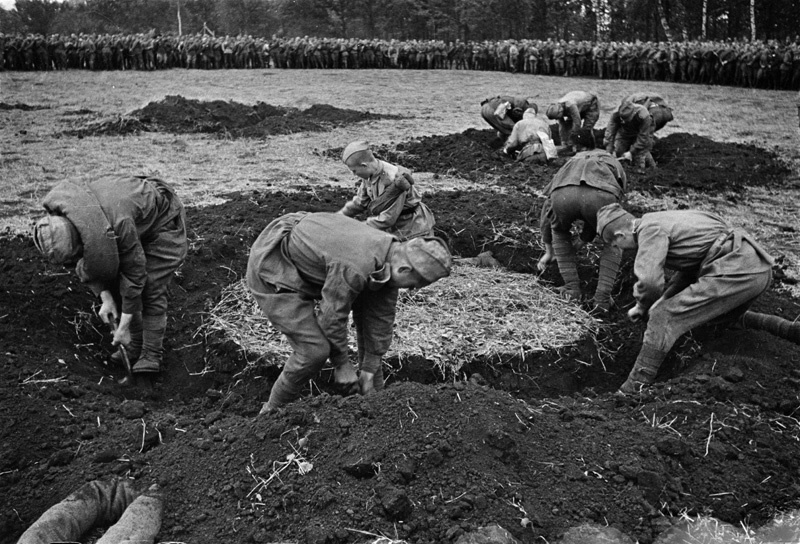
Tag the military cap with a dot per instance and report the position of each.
(430, 257)
(354, 147)
(554, 110)
(57, 239)
(609, 214)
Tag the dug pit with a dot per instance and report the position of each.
(537, 443)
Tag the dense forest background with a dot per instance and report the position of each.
(448, 20)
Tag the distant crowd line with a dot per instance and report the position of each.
(770, 64)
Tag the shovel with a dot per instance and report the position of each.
(128, 379)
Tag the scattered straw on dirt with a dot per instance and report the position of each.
(476, 313)
(485, 313)
(239, 319)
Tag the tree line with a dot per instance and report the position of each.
(447, 20)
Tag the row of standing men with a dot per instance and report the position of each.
(743, 63)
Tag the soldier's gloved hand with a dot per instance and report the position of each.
(627, 156)
(108, 309)
(637, 313)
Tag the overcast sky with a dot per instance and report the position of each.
(7, 4)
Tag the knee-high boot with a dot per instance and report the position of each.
(153, 328)
(567, 263)
(283, 392)
(644, 370)
(782, 328)
(609, 266)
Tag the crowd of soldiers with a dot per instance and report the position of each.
(771, 64)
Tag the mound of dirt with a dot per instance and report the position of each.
(542, 438)
(179, 115)
(684, 160)
(21, 106)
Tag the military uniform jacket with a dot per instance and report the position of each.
(595, 168)
(117, 218)
(336, 260)
(576, 103)
(631, 119)
(692, 242)
(392, 202)
(527, 131)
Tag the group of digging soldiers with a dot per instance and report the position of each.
(764, 64)
(310, 273)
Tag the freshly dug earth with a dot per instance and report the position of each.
(20, 106)
(684, 160)
(180, 115)
(542, 439)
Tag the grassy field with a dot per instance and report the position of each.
(34, 156)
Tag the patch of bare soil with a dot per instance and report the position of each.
(542, 439)
(176, 114)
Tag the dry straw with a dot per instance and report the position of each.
(475, 313)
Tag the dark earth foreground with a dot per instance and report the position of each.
(544, 440)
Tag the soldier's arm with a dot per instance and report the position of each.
(341, 288)
(644, 136)
(132, 266)
(611, 132)
(571, 110)
(387, 217)
(513, 140)
(358, 204)
(376, 311)
(648, 267)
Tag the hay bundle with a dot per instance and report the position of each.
(485, 313)
(476, 313)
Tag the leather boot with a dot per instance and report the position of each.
(153, 328)
(283, 392)
(135, 347)
(782, 328)
(644, 370)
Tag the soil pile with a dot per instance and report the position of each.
(179, 115)
(541, 439)
(684, 160)
(21, 106)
